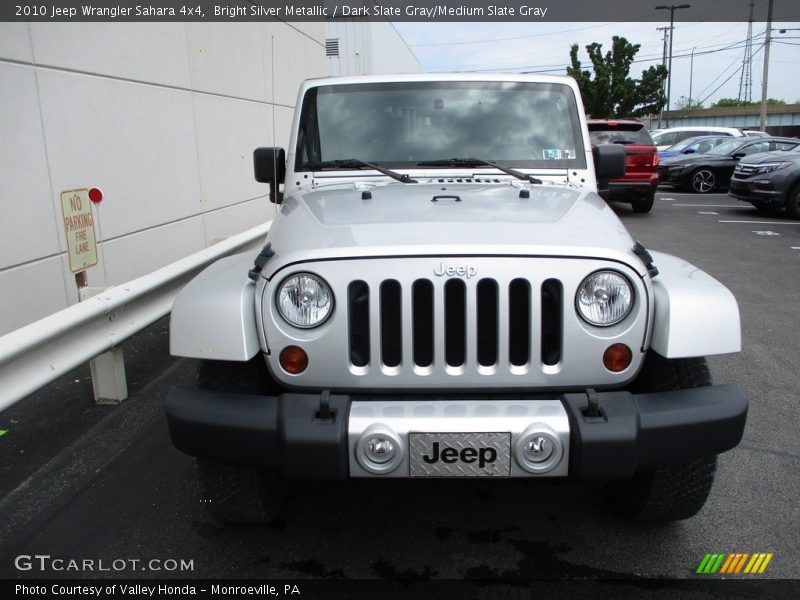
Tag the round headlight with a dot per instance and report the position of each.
(604, 298)
(304, 300)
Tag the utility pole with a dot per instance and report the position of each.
(691, 76)
(746, 80)
(763, 121)
(663, 62)
(672, 8)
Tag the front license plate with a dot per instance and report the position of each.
(459, 454)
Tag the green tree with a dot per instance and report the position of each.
(727, 102)
(685, 103)
(612, 93)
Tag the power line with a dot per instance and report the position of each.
(729, 78)
(552, 68)
(505, 39)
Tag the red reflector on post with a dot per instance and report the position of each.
(617, 357)
(294, 360)
(95, 195)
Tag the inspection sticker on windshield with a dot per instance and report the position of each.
(551, 153)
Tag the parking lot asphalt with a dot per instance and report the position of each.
(104, 482)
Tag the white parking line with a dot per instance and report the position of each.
(667, 199)
(759, 222)
(711, 205)
(707, 212)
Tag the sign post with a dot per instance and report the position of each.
(108, 369)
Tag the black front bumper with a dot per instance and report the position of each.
(676, 177)
(304, 436)
(748, 191)
(630, 191)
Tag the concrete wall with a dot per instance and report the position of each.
(369, 49)
(162, 117)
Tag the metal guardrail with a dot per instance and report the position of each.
(34, 355)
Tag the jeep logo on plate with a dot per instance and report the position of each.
(467, 271)
(448, 454)
(467, 454)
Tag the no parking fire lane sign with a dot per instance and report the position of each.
(79, 229)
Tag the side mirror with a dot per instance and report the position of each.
(269, 165)
(738, 155)
(689, 151)
(609, 163)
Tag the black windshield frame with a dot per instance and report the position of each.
(309, 143)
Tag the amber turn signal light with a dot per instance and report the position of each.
(617, 357)
(294, 360)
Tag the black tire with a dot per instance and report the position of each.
(644, 204)
(236, 493)
(793, 201)
(666, 494)
(677, 491)
(703, 180)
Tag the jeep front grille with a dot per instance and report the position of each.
(507, 322)
(479, 323)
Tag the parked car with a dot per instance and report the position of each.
(703, 173)
(693, 145)
(639, 184)
(421, 309)
(769, 181)
(664, 138)
(755, 133)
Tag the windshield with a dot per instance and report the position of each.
(681, 145)
(664, 137)
(400, 124)
(728, 147)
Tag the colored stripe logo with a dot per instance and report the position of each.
(734, 563)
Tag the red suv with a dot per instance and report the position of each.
(638, 186)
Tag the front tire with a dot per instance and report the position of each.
(703, 180)
(237, 494)
(793, 202)
(667, 494)
(676, 491)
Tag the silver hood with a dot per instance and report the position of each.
(446, 219)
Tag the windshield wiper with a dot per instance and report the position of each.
(474, 162)
(357, 163)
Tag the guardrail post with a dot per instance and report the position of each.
(108, 369)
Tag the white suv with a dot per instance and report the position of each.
(443, 293)
(664, 138)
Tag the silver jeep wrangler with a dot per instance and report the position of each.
(443, 293)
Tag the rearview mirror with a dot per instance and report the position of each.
(269, 165)
(609, 163)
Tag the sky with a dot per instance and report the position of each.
(714, 73)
